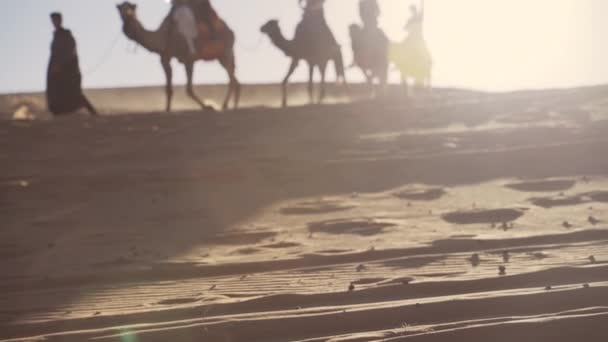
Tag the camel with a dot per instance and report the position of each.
(315, 54)
(370, 53)
(412, 62)
(169, 44)
(412, 56)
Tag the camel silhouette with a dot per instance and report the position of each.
(317, 51)
(370, 53)
(412, 56)
(169, 44)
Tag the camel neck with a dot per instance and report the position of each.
(154, 41)
(282, 43)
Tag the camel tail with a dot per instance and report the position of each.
(339, 65)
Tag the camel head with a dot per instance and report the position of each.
(127, 10)
(271, 27)
(128, 14)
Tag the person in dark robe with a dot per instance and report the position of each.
(64, 81)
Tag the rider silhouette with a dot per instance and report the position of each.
(313, 22)
(186, 16)
(369, 12)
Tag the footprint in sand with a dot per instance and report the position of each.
(543, 185)
(561, 201)
(557, 201)
(281, 245)
(411, 262)
(598, 196)
(178, 301)
(430, 194)
(368, 281)
(483, 216)
(246, 251)
(241, 238)
(362, 227)
(334, 251)
(316, 207)
(538, 255)
(118, 262)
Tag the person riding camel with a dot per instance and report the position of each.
(313, 24)
(369, 11)
(413, 56)
(185, 23)
(188, 15)
(415, 24)
(370, 43)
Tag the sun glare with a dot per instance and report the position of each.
(499, 44)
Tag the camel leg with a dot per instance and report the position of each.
(234, 87)
(190, 89)
(368, 79)
(292, 68)
(405, 86)
(322, 69)
(311, 77)
(383, 79)
(166, 63)
(429, 82)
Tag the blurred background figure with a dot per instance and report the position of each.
(412, 56)
(314, 24)
(64, 81)
(313, 42)
(369, 11)
(370, 44)
(415, 25)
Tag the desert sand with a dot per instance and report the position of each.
(458, 216)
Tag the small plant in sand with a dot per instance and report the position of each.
(506, 257)
(475, 260)
(593, 220)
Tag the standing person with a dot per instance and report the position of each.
(64, 81)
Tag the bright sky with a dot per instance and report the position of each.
(480, 44)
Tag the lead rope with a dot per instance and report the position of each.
(104, 57)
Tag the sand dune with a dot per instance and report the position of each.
(456, 216)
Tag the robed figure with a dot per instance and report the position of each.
(64, 81)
